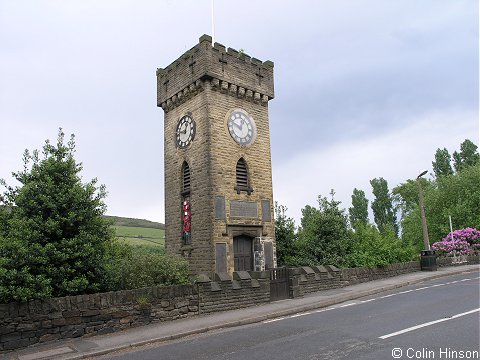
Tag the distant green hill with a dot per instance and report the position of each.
(124, 221)
(144, 235)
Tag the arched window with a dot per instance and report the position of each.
(186, 211)
(242, 183)
(185, 178)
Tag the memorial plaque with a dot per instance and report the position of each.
(268, 253)
(220, 207)
(220, 258)
(266, 214)
(244, 209)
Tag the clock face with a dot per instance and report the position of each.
(241, 127)
(185, 131)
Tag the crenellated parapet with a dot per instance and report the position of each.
(223, 291)
(225, 70)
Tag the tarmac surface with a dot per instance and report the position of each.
(88, 347)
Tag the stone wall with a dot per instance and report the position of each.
(359, 275)
(450, 261)
(313, 279)
(227, 294)
(23, 324)
(306, 280)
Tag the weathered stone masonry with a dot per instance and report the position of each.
(39, 321)
(23, 324)
(206, 82)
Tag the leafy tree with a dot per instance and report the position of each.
(372, 248)
(455, 195)
(405, 196)
(458, 196)
(358, 213)
(324, 237)
(441, 165)
(468, 155)
(382, 206)
(285, 236)
(55, 222)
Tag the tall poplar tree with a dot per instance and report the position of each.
(468, 155)
(382, 206)
(442, 165)
(358, 213)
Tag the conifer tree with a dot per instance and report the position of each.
(54, 221)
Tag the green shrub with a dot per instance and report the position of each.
(18, 280)
(148, 249)
(128, 268)
(372, 248)
(324, 237)
(143, 270)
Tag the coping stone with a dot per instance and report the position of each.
(241, 275)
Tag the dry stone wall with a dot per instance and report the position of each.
(227, 294)
(24, 324)
(450, 261)
(39, 321)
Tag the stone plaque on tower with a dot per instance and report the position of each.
(218, 176)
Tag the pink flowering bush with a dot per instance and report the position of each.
(472, 236)
(449, 247)
(465, 241)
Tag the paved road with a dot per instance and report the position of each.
(438, 319)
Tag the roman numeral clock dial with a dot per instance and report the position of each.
(185, 132)
(241, 127)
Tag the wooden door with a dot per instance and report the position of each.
(242, 253)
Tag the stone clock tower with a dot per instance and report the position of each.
(218, 175)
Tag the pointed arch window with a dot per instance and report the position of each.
(186, 206)
(242, 181)
(185, 178)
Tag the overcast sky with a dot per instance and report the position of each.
(363, 89)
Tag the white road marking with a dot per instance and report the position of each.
(387, 296)
(273, 320)
(427, 287)
(323, 310)
(298, 315)
(366, 301)
(427, 324)
(354, 303)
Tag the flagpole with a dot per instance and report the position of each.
(213, 24)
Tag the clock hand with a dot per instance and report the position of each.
(238, 126)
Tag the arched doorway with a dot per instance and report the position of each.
(242, 253)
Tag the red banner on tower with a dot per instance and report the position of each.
(187, 220)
